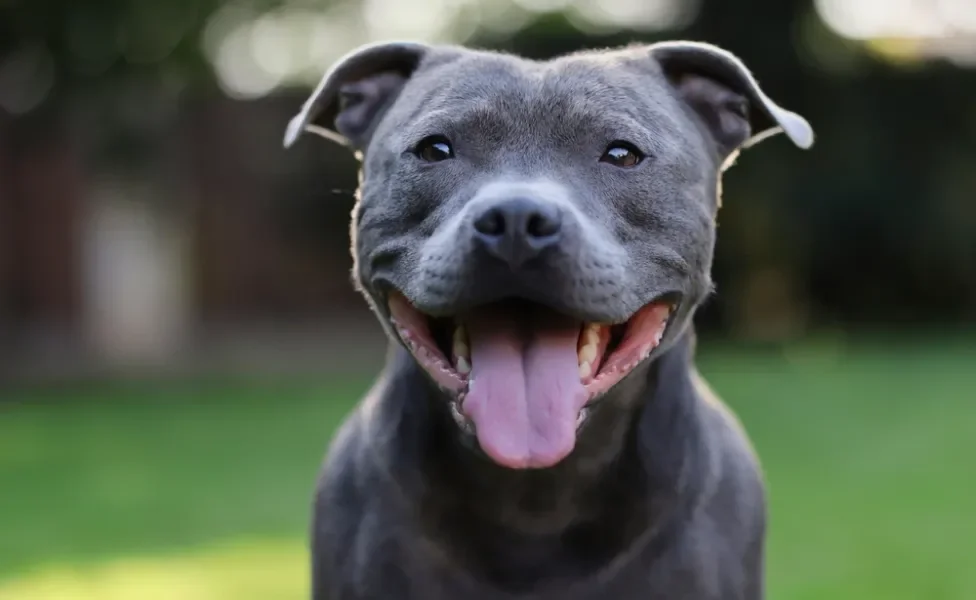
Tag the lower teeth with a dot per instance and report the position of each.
(462, 355)
(585, 370)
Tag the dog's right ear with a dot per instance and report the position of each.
(719, 87)
(353, 96)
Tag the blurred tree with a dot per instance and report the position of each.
(108, 67)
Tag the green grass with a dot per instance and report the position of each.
(201, 491)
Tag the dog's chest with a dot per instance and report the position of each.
(646, 585)
(666, 577)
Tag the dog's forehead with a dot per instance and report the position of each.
(583, 84)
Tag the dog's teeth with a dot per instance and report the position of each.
(460, 343)
(587, 353)
(585, 370)
(460, 350)
(589, 344)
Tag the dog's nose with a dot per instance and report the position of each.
(518, 229)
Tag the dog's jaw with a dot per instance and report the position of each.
(508, 376)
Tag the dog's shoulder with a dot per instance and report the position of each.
(364, 532)
(339, 506)
(714, 545)
(351, 528)
(733, 506)
(731, 454)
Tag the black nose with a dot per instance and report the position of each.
(518, 229)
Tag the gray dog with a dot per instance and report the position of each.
(535, 238)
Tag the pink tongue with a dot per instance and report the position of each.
(525, 393)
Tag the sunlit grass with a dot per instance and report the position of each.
(241, 571)
(202, 491)
(125, 470)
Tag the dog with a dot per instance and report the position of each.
(535, 237)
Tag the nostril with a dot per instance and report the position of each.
(541, 226)
(491, 222)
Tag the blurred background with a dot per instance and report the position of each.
(179, 338)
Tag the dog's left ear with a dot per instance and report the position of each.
(354, 94)
(723, 92)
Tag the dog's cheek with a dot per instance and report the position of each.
(700, 247)
(364, 239)
(355, 218)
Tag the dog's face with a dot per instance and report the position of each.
(534, 231)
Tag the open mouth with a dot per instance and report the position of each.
(522, 374)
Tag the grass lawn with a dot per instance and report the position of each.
(201, 491)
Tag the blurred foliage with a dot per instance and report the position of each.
(116, 70)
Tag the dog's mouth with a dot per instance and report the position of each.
(521, 374)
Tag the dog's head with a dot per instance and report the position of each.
(533, 231)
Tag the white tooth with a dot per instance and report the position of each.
(587, 353)
(592, 333)
(585, 370)
(462, 366)
(461, 342)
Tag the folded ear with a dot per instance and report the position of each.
(723, 92)
(355, 93)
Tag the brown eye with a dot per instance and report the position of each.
(622, 154)
(434, 148)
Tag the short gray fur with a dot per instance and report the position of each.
(663, 497)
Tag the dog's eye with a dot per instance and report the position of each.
(434, 148)
(622, 154)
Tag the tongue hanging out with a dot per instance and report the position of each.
(524, 392)
(523, 372)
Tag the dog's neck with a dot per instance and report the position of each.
(632, 460)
